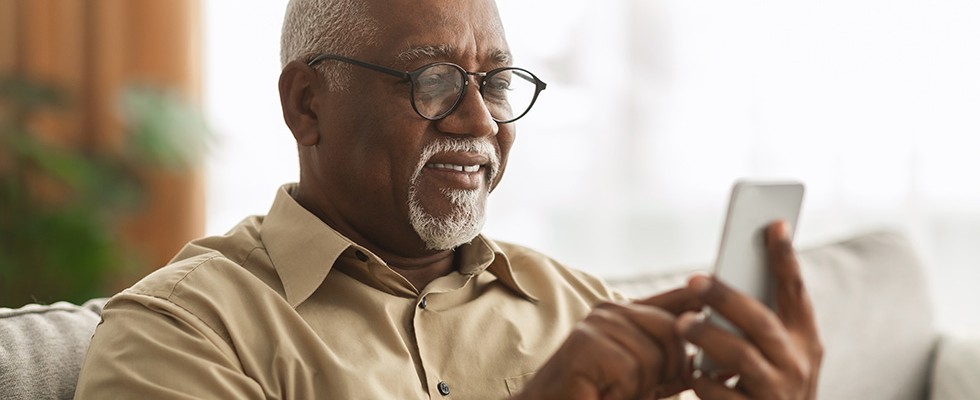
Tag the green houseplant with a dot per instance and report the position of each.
(60, 205)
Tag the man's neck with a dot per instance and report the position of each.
(422, 271)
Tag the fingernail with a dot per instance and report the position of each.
(686, 321)
(699, 284)
(782, 229)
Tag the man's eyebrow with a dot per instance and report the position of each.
(502, 57)
(428, 52)
(445, 52)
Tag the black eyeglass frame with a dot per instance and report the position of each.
(411, 77)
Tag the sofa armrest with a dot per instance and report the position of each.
(954, 374)
(42, 346)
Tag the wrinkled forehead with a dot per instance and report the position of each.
(440, 30)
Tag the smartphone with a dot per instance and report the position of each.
(742, 262)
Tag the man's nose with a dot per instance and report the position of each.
(471, 116)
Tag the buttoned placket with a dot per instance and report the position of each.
(383, 278)
(428, 306)
(426, 312)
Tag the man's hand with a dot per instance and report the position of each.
(620, 351)
(780, 356)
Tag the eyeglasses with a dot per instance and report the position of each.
(437, 89)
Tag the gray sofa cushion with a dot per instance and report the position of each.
(954, 374)
(41, 348)
(875, 317)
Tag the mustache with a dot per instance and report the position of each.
(454, 144)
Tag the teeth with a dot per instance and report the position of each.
(454, 167)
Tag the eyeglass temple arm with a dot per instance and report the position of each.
(531, 78)
(389, 71)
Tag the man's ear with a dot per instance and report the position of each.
(298, 95)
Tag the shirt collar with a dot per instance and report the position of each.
(484, 254)
(304, 249)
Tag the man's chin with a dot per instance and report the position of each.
(451, 220)
(440, 243)
(442, 237)
(451, 203)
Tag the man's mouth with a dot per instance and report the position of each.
(456, 164)
(459, 170)
(454, 167)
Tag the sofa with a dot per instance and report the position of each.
(870, 293)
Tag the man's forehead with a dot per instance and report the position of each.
(441, 30)
(449, 52)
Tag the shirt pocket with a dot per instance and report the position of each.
(516, 383)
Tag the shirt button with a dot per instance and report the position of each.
(360, 255)
(443, 389)
(424, 303)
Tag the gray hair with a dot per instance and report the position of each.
(312, 27)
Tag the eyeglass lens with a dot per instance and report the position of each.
(507, 93)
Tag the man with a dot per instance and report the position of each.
(369, 278)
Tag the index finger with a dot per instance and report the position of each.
(676, 302)
(793, 304)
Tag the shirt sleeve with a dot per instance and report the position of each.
(148, 347)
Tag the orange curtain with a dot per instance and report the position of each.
(94, 48)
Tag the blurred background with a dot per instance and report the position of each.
(653, 109)
(102, 143)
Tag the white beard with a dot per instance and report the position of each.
(466, 219)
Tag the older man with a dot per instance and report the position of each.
(369, 278)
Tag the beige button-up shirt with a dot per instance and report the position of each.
(284, 307)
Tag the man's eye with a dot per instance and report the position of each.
(497, 87)
(429, 81)
(433, 83)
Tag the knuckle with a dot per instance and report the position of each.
(586, 339)
(631, 367)
(748, 359)
(786, 247)
(816, 350)
(767, 325)
(794, 286)
(606, 307)
(782, 250)
(601, 313)
(621, 371)
(717, 295)
(586, 330)
(798, 372)
(580, 334)
(695, 331)
(599, 322)
(603, 305)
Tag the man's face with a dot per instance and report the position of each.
(398, 180)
